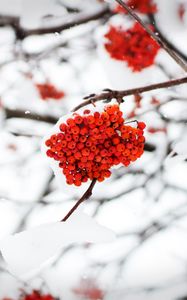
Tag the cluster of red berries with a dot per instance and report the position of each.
(142, 6)
(156, 130)
(135, 46)
(89, 289)
(48, 91)
(88, 146)
(91, 293)
(35, 295)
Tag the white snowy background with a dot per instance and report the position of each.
(145, 205)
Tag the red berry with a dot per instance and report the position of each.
(141, 125)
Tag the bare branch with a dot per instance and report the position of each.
(118, 95)
(15, 113)
(76, 19)
(79, 18)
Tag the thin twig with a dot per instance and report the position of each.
(113, 94)
(164, 38)
(86, 195)
(155, 36)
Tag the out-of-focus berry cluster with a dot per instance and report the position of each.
(141, 6)
(48, 91)
(35, 295)
(134, 46)
(89, 290)
(88, 145)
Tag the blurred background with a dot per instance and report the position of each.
(51, 56)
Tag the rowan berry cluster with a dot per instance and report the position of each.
(88, 145)
(142, 6)
(134, 46)
(35, 295)
(156, 130)
(181, 11)
(89, 292)
(48, 91)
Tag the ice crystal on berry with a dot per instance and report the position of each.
(134, 46)
(88, 145)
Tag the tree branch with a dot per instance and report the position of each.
(80, 18)
(85, 196)
(77, 19)
(108, 94)
(156, 37)
(9, 20)
(15, 113)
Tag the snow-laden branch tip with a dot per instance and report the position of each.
(28, 251)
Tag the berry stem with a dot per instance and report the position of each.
(155, 36)
(118, 95)
(84, 197)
